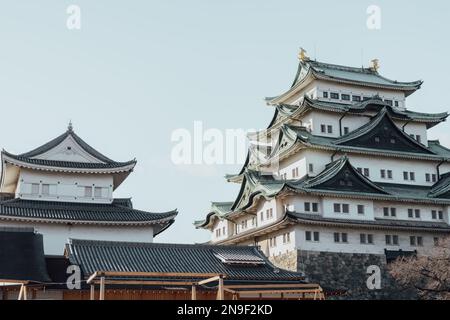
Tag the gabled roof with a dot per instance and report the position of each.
(22, 256)
(36, 158)
(235, 262)
(309, 70)
(118, 212)
(341, 175)
(383, 134)
(218, 209)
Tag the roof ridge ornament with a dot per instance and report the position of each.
(70, 126)
(302, 55)
(375, 64)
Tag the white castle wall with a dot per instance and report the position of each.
(64, 187)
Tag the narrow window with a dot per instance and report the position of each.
(366, 172)
(360, 209)
(362, 238)
(419, 241)
(383, 173)
(330, 129)
(412, 176)
(441, 215)
(316, 236)
(395, 240)
(418, 138)
(308, 235)
(412, 240)
(337, 237)
(433, 214)
(356, 98)
(396, 103)
(344, 237)
(334, 95)
(387, 239)
(405, 175)
(389, 174)
(417, 213)
(345, 208)
(315, 207)
(386, 212)
(393, 212)
(307, 206)
(370, 238)
(337, 207)
(410, 213)
(35, 188)
(261, 214)
(346, 130)
(436, 241)
(45, 189)
(427, 177)
(88, 192)
(345, 97)
(325, 94)
(311, 167)
(323, 128)
(433, 177)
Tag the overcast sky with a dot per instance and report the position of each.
(138, 70)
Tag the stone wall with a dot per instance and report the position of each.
(343, 272)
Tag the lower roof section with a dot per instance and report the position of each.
(235, 263)
(119, 212)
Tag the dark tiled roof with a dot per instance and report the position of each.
(390, 223)
(22, 256)
(118, 212)
(69, 164)
(94, 256)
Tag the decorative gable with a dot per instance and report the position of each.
(382, 133)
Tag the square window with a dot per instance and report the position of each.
(337, 207)
(389, 102)
(315, 207)
(345, 208)
(97, 192)
(377, 139)
(345, 97)
(325, 94)
(334, 95)
(316, 236)
(360, 209)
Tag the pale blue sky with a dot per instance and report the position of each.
(137, 70)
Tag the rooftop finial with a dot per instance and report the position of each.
(302, 55)
(70, 126)
(375, 64)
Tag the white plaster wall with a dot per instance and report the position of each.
(328, 209)
(220, 224)
(56, 235)
(402, 211)
(296, 161)
(68, 187)
(326, 241)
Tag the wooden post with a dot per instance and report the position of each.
(20, 292)
(194, 292)
(102, 288)
(220, 291)
(25, 293)
(92, 292)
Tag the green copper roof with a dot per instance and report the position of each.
(368, 77)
